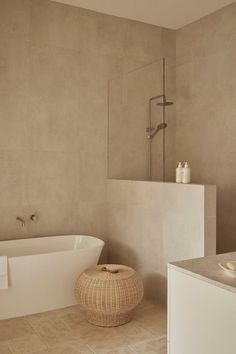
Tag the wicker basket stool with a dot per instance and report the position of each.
(109, 293)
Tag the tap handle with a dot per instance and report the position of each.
(33, 217)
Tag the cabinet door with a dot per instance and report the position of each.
(201, 316)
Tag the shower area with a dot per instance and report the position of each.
(141, 127)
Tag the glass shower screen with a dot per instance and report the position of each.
(139, 126)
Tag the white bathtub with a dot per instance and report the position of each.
(42, 272)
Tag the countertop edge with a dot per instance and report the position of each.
(203, 278)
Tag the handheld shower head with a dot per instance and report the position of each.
(160, 126)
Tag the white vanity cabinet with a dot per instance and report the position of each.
(201, 312)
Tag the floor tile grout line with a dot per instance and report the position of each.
(132, 349)
(139, 324)
(65, 341)
(8, 342)
(38, 334)
(147, 341)
(9, 347)
(31, 352)
(91, 349)
(151, 331)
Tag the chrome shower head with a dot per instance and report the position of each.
(161, 126)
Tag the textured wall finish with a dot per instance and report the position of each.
(44, 155)
(151, 224)
(206, 106)
(55, 61)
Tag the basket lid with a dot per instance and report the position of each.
(110, 271)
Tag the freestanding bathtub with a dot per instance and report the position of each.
(42, 272)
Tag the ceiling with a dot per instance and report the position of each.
(165, 13)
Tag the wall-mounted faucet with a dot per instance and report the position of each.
(33, 218)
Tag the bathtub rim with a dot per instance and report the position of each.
(99, 243)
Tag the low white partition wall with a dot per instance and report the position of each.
(153, 223)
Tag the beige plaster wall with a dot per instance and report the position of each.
(55, 62)
(205, 108)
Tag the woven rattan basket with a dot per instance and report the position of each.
(109, 293)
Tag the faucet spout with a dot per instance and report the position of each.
(21, 220)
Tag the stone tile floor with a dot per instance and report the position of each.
(66, 331)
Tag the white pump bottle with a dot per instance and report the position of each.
(186, 174)
(179, 173)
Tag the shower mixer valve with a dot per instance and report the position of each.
(149, 130)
